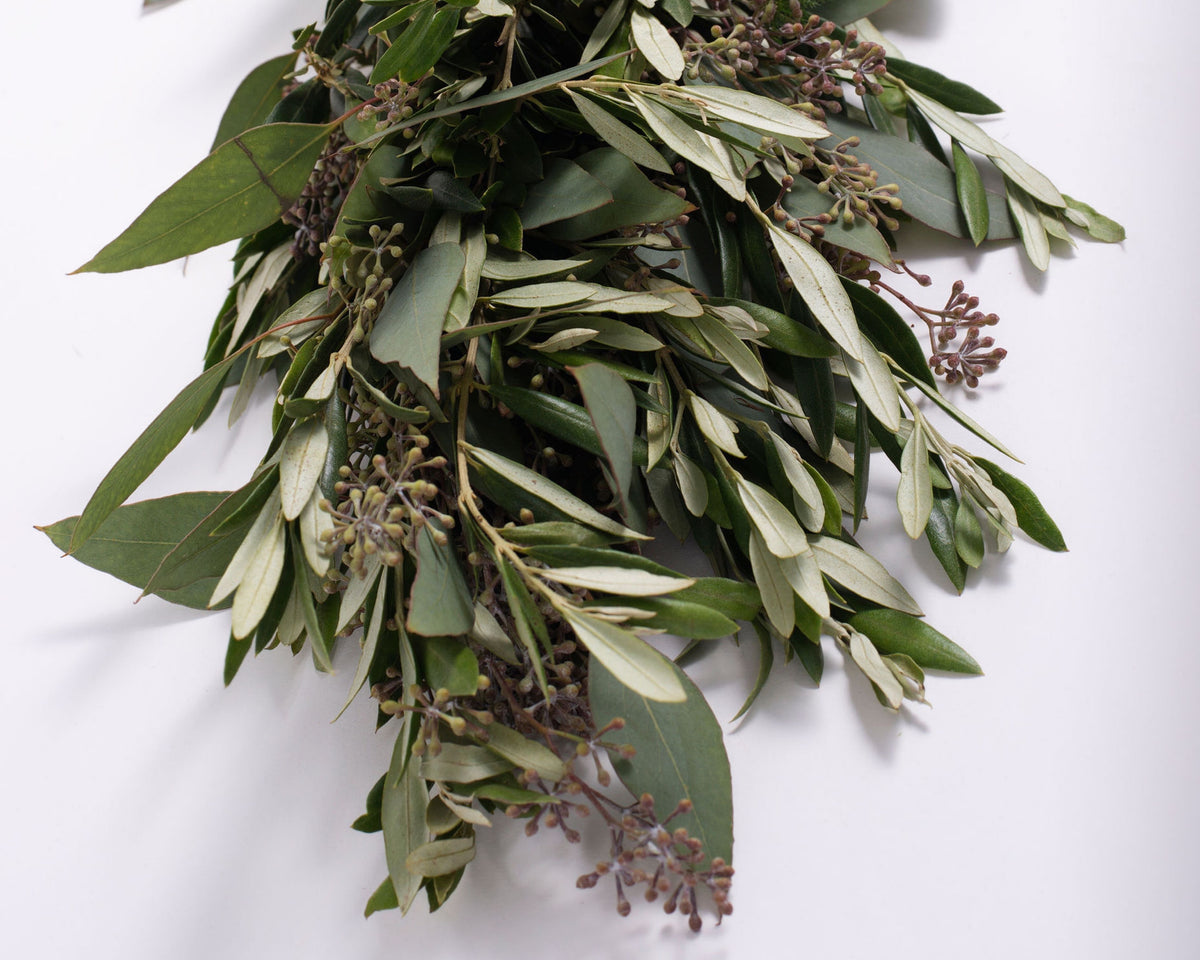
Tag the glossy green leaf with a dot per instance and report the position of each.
(255, 97)
(1031, 515)
(952, 93)
(244, 185)
(940, 533)
(133, 540)
(441, 603)
(148, 451)
(972, 197)
(419, 47)
(892, 631)
(408, 330)
(680, 755)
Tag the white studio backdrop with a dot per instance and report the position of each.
(1045, 810)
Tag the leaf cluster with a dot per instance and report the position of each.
(533, 287)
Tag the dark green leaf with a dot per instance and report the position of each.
(680, 10)
(635, 199)
(689, 619)
(785, 334)
(813, 382)
(953, 93)
(810, 655)
(679, 755)
(892, 631)
(968, 535)
(371, 821)
(384, 898)
(939, 530)
(441, 602)
(845, 11)
(448, 664)
(766, 659)
(148, 451)
(560, 418)
(879, 321)
(235, 653)
(1031, 515)
(566, 191)
(419, 47)
(920, 131)
(737, 599)
(409, 328)
(862, 460)
(610, 405)
(448, 193)
(255, 97)
(241, 187)
(972, 198)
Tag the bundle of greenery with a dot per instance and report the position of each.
(535, 284)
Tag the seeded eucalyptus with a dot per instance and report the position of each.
(535, 285)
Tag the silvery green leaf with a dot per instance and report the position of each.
(612, 300)
(313, 304)
(1055, 228)
(717, 428)
(497, 267)
(534, 296)
(738, 321)
(462, 763)
(314, 522)
(726, 174)
(690, 478)
(616, 134)
(773, 586)
(566, 339)
(402, 814)
(818, 285)
(259, 581)
(1098, 226)
(250, 294)
(736, 353)
(465, 813)
(626, 656)
(684, 302)
(989, 493)
(759, 113)
(874, 383)
(863, 652)
(857, 570)
(263, 525)
(623, 336)
(357, 590)
(801, 481)
(968, 535)
(658, 425)
(474, 248)
(804, 575)
(525, 754)
(1029, 225)
(679, 135)
(439, 818)
(914, 495)
(322, 387)
(300, 464)
(780, 531)
(972, 136)
(656, 44)
(488, 633)
(370, 641)
(440, 857)
(624, 581)
(550, 492)
(958, 415)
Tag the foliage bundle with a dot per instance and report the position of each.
(535, 283)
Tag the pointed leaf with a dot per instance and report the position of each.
(441, 603)
(914, 496)
(972, 197)
(636, 664)
(300, 464)
(656, 44)
(894, 632)
(241, 187)
(616, 134)
(857, 570)
(820, 288)
(255, 97)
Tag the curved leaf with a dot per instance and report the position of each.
(892, 631)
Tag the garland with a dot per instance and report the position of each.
(535, 285)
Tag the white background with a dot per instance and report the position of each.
(1046, 810)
